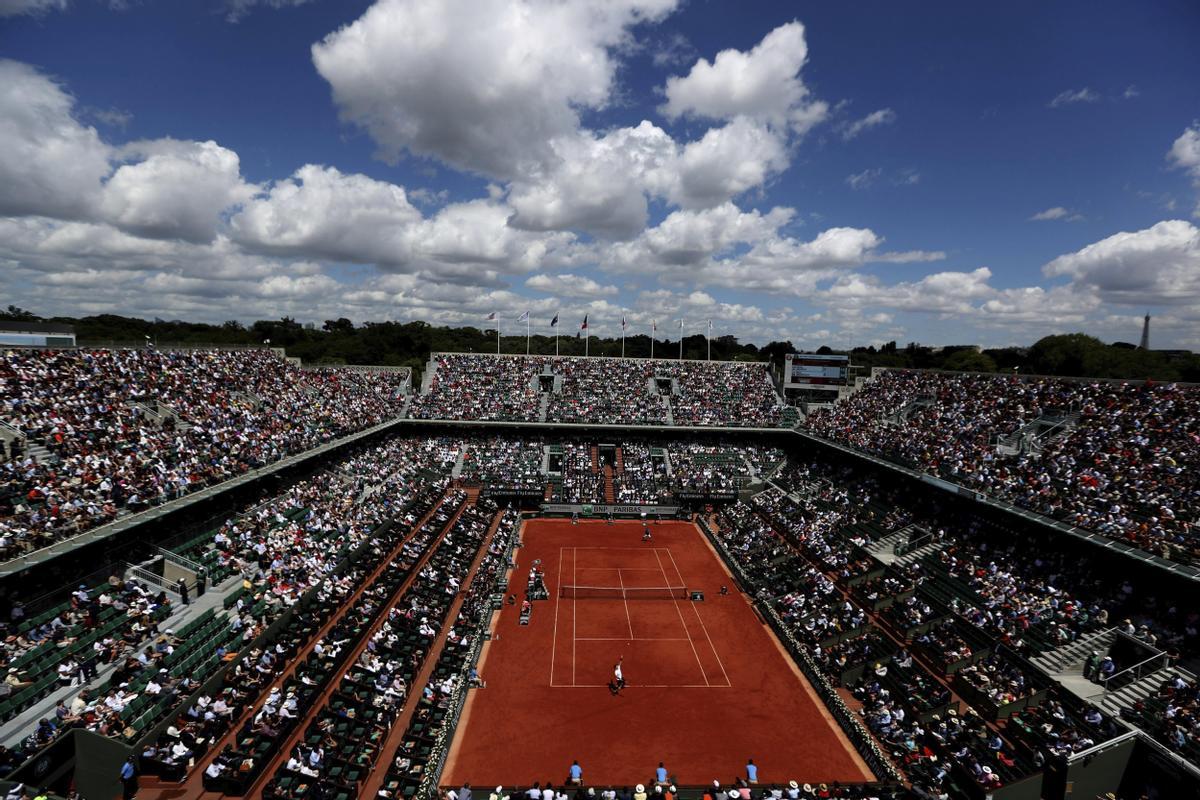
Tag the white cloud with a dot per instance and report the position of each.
(49, 162)
(1185, 155)
(884, 116)
(762, 84)
(1072, 96)
(236, 9)
(1058, 305)
(726, 162)
(482, 85)
(597, 183)
(52, 165)
(1158, 265)
(12, 8)
(568, 285)
(324, 213)
(600, 183)
(173, 189)
(748, 251)
(861, 180)
(1056, 213)
(947, 293)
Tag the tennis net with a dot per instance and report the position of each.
(623, 592)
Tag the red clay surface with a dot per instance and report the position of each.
(708, 685)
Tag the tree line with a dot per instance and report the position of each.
(340, 341)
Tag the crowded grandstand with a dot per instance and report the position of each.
(243, 576)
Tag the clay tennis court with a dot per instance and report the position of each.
(707, 684)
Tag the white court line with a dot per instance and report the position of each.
(574, 605)
(667, 581)
(554, 637)
(695, 611)
(623, 639)
(628, 618)
(639, 549)
(637, 686)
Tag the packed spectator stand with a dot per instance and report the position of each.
(353, 600)
(608, 391)
(1119, 459)
(103, 433)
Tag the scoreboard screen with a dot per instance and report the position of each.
(803, 370)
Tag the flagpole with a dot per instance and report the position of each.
(652, 327)
(708, 339)
(622, 336)
(587, 340)
(681, 340)
(527, 335)
(497, 335)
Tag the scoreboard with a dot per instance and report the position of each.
(803, 371)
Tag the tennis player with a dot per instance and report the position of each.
(618, 681)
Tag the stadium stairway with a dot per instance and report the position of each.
(610, 496)
(38, 451)
(310, 715)
(620, 461)
(543, 407)
(916, 555)
(595, 459)
(884, 549)
(1068, 659)
(1129, 695)
(22, 724)
(192, 785)
(400, 727)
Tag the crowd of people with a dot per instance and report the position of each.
(280, 549)
(800, 556)
(1116, 458)
(893, 638)
(128, 429)
(505, 462)
(614, 391)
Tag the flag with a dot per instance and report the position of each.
(653, 324)
(681, 324)
(554, 322)
(492, 317)
(583, 327)
(524, 317)
(710, 325)
(622, 322)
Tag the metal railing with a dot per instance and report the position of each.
(143, 575)
(183, 561)
(1138, 670)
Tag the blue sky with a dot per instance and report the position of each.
(824, 172)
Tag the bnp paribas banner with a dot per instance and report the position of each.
(604, 509)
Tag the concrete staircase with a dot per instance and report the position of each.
(916, 555)
(543, 406)
(427, 378)
(620, 462)
(610, 495)
(38, 451)
(1127, 696)
(595, 459)
(670, 416)
(1068, 659)
(885, 549)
